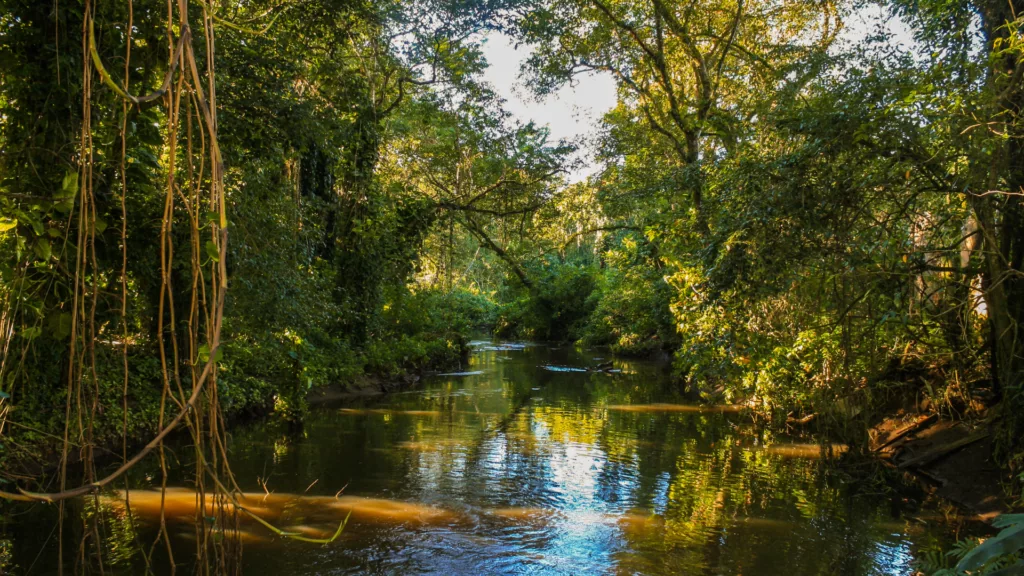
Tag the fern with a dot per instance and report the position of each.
(962, 547)
(933, 561)
(1001, 553)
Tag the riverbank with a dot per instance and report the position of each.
(363, 386)
(30, 454)
(953, 459)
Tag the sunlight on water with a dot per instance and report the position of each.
(511, 467)
(564, 369)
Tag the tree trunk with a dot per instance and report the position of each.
(1001, 218)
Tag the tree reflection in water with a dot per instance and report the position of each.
(518, 469)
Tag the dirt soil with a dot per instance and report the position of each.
(953, 459)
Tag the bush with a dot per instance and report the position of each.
(425, 330)
(558, 307)
(631, 313)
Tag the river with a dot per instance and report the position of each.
(526, 462)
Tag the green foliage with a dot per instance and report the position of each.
(425, 330)
(407, 354)
(632, 312)
(557, 309)
(1000, 555)
(321, 235)
(804, 225)
(999, 552)
(7, 555)
(817, 212)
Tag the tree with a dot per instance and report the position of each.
(695, 73)
(477, 170)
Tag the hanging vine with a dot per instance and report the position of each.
(189, 347)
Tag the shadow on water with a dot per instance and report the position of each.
(511, 467)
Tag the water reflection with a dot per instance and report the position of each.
(512, 468)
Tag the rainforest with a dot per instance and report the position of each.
(297, 287)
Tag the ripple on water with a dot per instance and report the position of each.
(551, 368)
(520, 470)
(470, 373)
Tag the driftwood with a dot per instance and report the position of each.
(801, 421)
(936, 453)
(906, 431)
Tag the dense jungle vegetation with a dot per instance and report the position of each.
(210, 209)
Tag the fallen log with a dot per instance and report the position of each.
(906, 431)
(801, 421)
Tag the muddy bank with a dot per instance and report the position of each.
(361, 387)
(953, 459)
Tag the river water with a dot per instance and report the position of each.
(528, 463)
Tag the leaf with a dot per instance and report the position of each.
(147, 158)
(7, 224)
(1007, 542)
(204, 353)
(212, 251)
(69, 187)
(100, 225)
(31, 333)
(34, 222)
(1017, 569)
(1007, 520)
(59, 325)
(42, 249)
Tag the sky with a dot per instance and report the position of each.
(571, 112)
